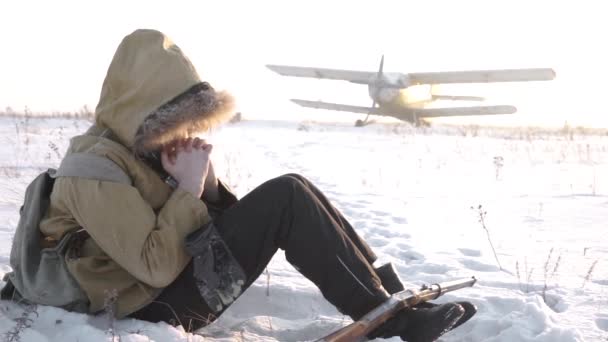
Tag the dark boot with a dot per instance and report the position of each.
(392, 284)
(469, 311)
(421, 324)
(389, 278)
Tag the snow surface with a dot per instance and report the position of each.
(413, 194)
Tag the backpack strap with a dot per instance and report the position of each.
(91, 166)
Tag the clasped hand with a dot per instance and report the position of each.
(188, 161)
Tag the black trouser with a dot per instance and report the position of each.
(287, 212)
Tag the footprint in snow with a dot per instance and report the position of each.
(555, 303)
(533, 220)
(378, 241)
(408, 255)
(439, 269)
(348, 212)
(364, 203)
(470, 252)
(381, 223)
(399, 220)
(380, 213)
(271, 154)
(602, 322)
(403, 252)
(306, 144)
(356, 205)
(388, 232)
(403, 246)
(478, 266)
(360, 225)
(364, 215)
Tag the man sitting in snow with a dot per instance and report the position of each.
(176, 245)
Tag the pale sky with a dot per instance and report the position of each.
(55, 53)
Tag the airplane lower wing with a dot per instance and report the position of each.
(332, 74)
(338, 107)
(463, 111)
(457, 97)
(410, 112)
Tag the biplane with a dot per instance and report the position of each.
(407, 96)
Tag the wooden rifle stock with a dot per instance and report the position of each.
(358, 331)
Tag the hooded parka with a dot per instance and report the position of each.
(151, 95)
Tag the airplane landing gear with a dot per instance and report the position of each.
(364, 122)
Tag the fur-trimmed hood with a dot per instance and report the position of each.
(152, 94)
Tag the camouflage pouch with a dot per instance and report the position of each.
(219, 277)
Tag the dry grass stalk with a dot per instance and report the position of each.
(528, 274)
(267, 282)
(590, 273)
(550, 272)
(546, 274)
(23, 322)
(518, 276)
(482, 215)
(109, 307)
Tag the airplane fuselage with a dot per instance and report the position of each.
(394, 99)
(406, 95)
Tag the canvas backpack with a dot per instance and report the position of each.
(40, 275)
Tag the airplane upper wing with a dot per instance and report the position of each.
(400, 80)
(482, 76)
(332, 74)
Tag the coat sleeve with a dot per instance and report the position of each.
(148, 245)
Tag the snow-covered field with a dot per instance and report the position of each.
(414, 194)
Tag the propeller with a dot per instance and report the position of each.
(377, 84)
